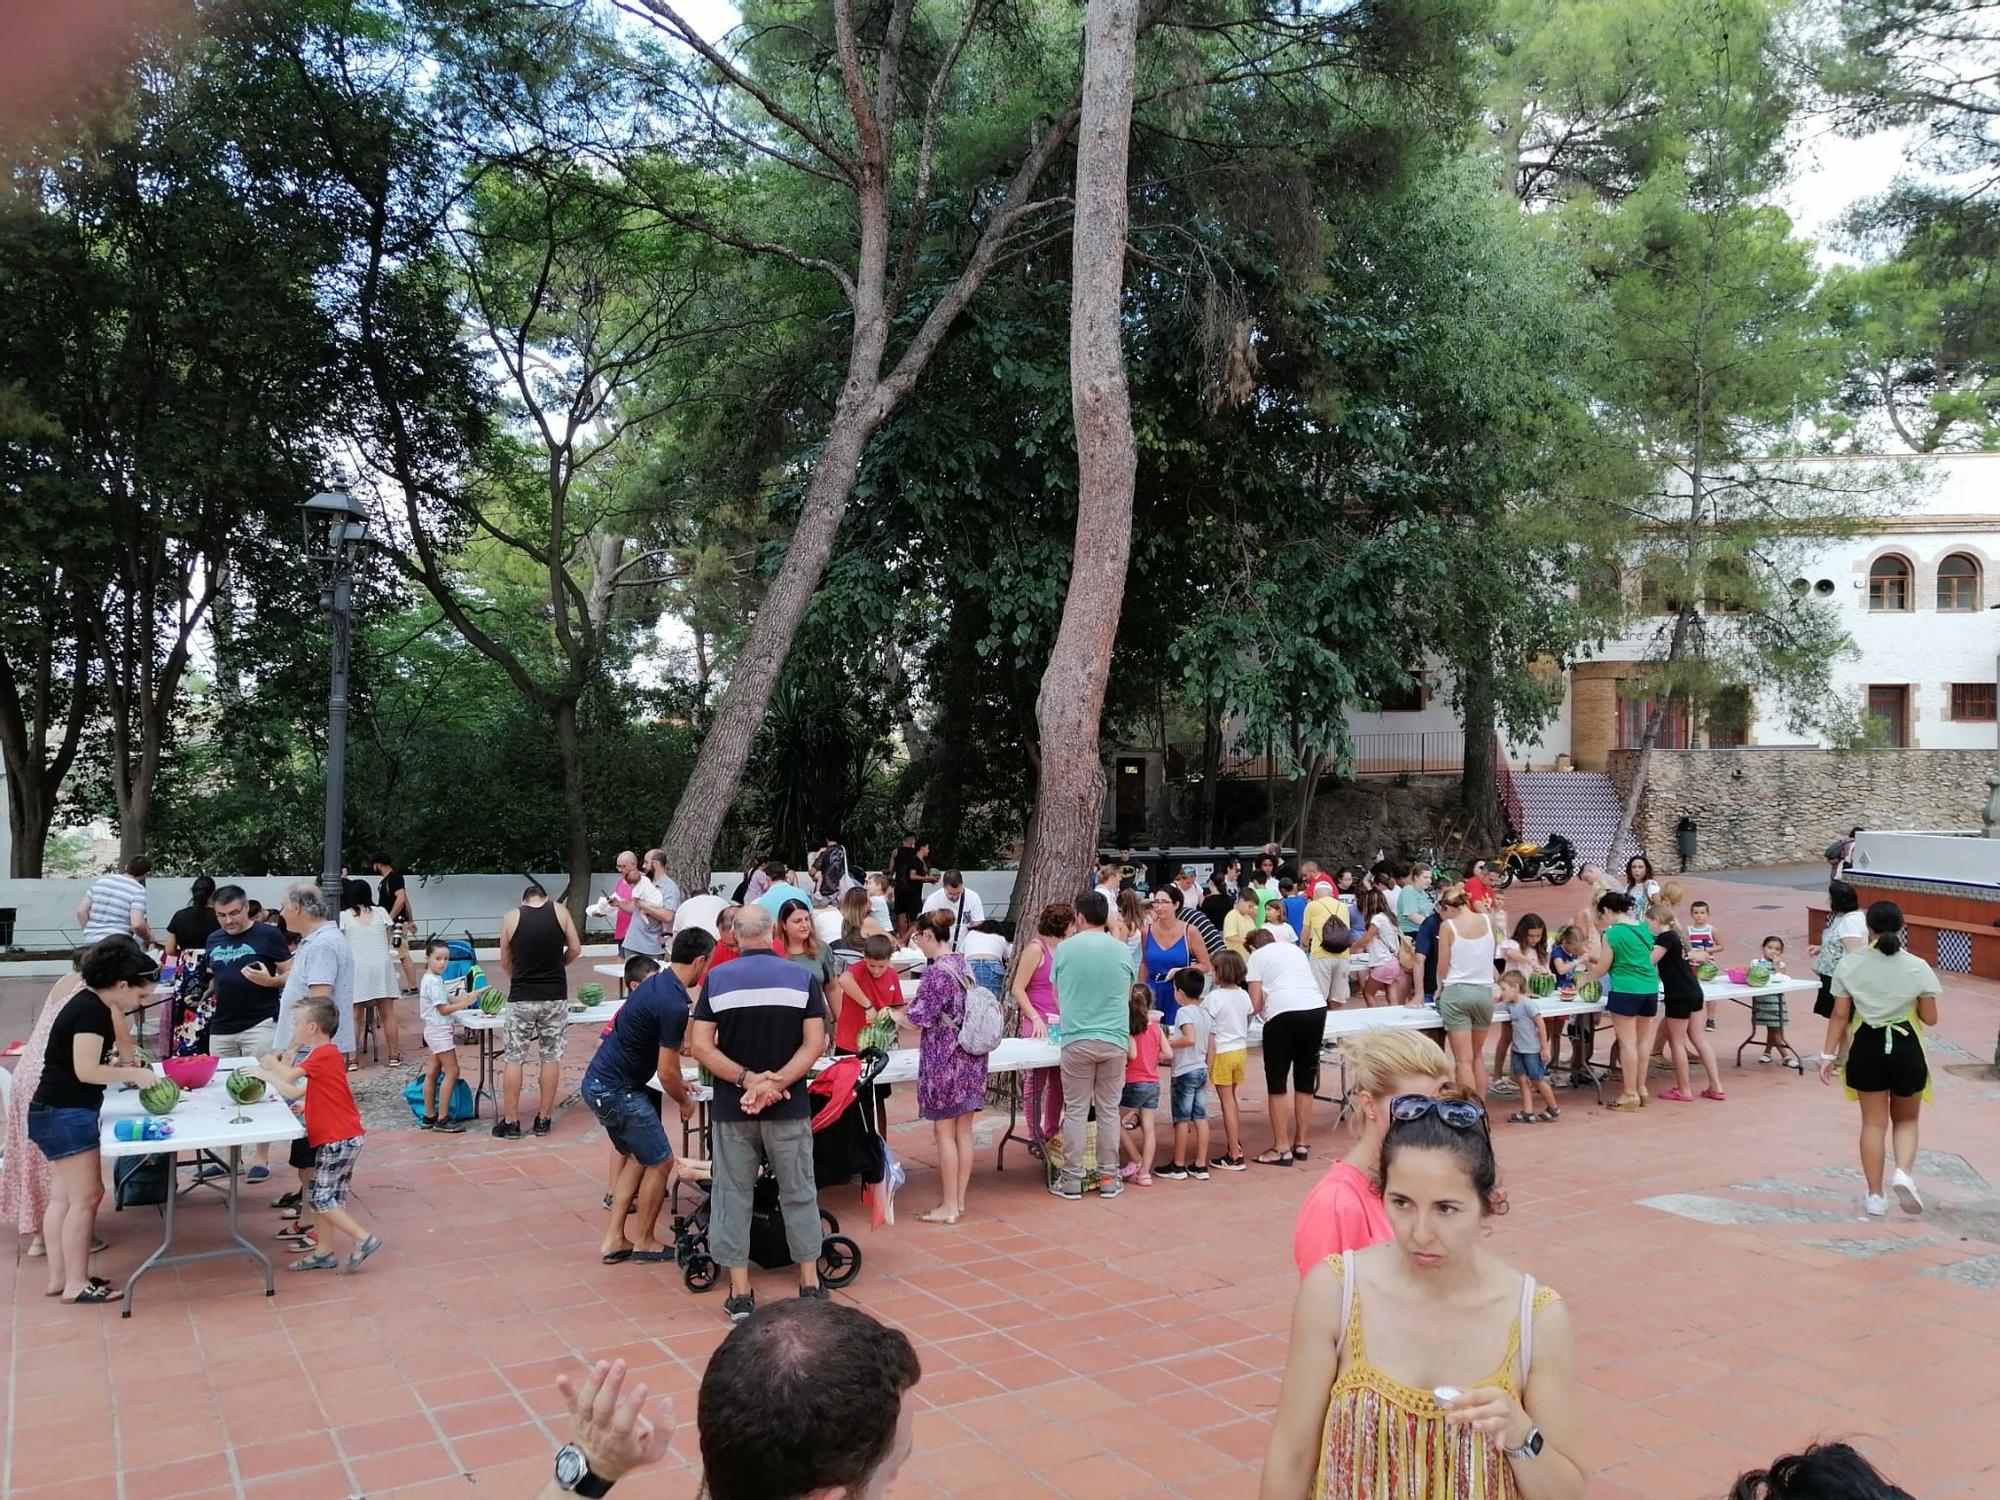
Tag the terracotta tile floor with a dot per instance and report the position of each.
(1742, 1311)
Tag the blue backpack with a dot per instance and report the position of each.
(462, 1105)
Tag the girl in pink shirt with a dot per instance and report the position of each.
(1344, 1210)
(1139, 1105)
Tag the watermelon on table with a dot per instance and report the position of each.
(160, 1098)
(1590, 991)
(1706, 970)
(244, 1086)
(1756, 974)
(590, 994)
(490, 1001)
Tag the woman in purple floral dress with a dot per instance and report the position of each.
(951, 1082)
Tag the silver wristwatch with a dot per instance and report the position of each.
(1531, 1448)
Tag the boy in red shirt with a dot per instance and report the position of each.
(864, 992)
(333, 1127)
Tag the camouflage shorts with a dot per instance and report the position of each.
(543, 1022)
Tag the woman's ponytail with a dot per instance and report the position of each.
(1885, 924)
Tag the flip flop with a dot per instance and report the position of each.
(616, 1257)
(94, 1295)
(1273, 1159)
(934, 1217)
(652, 1257)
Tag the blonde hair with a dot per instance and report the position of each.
(1669, 900)
(1378, 1060)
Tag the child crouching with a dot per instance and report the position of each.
(333, 1127)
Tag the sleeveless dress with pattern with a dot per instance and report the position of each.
(1383, 1438)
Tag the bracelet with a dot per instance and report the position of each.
(1829, 1057)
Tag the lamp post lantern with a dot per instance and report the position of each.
(335, 534)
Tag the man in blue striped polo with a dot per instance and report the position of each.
(760, 1023)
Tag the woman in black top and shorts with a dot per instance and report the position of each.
(1682, 995)
(63, 1117)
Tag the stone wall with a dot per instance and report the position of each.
(1784, 806)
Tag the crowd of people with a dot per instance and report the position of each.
(1419, 1362)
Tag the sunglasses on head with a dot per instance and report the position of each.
(1459, 1114)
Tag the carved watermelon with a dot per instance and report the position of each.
(160, 1098)
(1705, 971)
(1756, 974)
(244, 1086)
(590, 994)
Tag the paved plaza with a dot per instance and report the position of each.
(1729, 1300)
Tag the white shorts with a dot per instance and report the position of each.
(439, 1039)
(252, 1041)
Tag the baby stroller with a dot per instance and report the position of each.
(839, 1257)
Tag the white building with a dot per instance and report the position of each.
(1913, 593)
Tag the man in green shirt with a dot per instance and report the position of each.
(1093, 979)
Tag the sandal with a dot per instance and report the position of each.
(324, 1261)
(1300, 1153)
(1522, 1117)
(94, 1295)
(937, 1216)
(1553, 1112)
(1274, 1159)
(1716, 1094)
(291, 1199)
(1546, 1117)
(1625, 1102)
(362, 1251)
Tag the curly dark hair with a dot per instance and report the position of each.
(1825, 1471)
(802, 1396)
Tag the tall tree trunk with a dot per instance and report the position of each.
(1478, 780)
(689, 844)
(1628, 815)
(1070, 706)
(1211, 765)
(31, 812)
(1315, 768)
(576, 811)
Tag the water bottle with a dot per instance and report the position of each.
(146, 1128)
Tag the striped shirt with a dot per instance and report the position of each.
(760, 1004)
(113, 901)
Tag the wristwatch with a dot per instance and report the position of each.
(573, 1472)
(1531, 1448)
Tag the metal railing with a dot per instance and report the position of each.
(1418, 753)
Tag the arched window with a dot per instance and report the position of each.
(1958, 584)
(1889, 583)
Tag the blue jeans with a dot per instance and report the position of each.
(631, 1120)
(58, 1132)
(1188, 1105)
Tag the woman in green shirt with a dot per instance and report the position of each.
(1625, 960)
(1883, 997)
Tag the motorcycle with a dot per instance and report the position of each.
(1552, 860)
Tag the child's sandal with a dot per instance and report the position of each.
(1522, 1117)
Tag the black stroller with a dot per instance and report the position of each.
(846, 1143)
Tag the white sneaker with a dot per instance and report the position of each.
(1907, 1197)
(1875, 1205)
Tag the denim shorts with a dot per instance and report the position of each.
(1188, 1088)
(1140, 1096)
(58, 1132)
(631, 1120)
(1529, 1065)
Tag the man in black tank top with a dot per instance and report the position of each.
(538, 943)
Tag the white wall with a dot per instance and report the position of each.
(1956, 510)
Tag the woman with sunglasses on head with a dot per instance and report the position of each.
(1427, 1369)
(1883, 998)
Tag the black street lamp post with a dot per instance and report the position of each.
(335, 534)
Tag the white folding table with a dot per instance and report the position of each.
(206, 1121)
(486, 1031)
